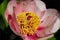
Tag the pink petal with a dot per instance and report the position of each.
(9, 9)
(49, 24)
(10, 17)
(54, 25)
(48, 21)
(13, 25)
(47, 18)
(43, 32)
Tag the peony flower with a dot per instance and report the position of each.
(31, 20)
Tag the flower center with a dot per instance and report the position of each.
(28, 22)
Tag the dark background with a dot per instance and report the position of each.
(7, 34)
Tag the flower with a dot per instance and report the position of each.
(31, 19)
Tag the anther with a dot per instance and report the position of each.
(29, 17)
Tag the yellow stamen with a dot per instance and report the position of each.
(28, 22)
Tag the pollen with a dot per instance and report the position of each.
(28, 22)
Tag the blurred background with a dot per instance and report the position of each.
(5, 31)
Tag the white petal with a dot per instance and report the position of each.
(10, 6)
(40, 4)
(56, 26)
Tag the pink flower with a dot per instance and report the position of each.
(41, 22)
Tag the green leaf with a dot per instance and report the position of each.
(52, 38)
(3, 6)
(2, 10)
